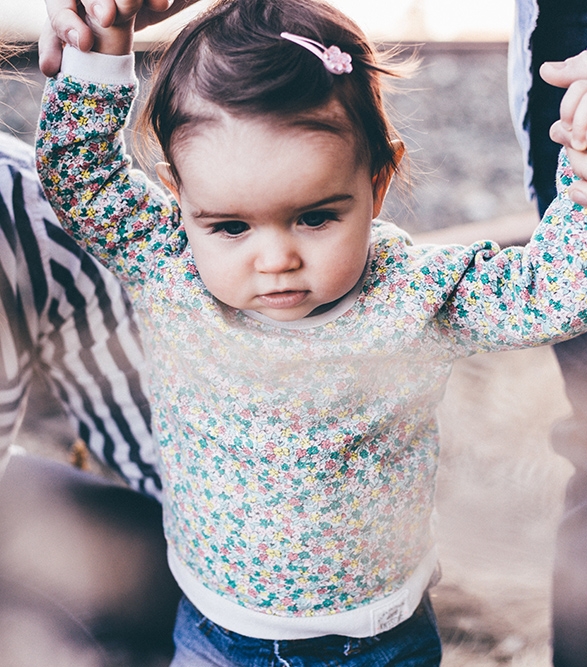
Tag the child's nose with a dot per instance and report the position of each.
(277, 254)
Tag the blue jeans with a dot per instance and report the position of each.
(201, 643)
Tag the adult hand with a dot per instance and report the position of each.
(571, 74)
(571, 129)
(66, 24)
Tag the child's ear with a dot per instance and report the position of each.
(382, 178)
(166, 177)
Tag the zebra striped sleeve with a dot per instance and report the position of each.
(64, 316)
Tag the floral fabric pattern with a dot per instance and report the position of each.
(300, 464)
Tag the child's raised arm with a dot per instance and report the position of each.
(113, 210)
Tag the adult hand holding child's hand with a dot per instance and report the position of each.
(67, 23)
(571, 129)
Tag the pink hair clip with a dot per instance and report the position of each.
(335, 60)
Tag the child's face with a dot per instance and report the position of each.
(278, 217)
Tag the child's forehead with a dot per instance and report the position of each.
(212, 124)
(238, 160)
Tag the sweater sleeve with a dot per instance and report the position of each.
(113, 210)
(522, 296)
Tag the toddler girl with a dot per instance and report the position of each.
(298, 349)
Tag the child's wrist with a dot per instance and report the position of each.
(117, 40)
(116, 70)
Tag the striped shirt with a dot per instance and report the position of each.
(66, 318)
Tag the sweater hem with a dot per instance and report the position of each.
(365, 621)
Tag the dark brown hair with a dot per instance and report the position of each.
(232, 56)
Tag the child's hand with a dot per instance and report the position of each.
(113, 29)
(571, 129)
(66, 24)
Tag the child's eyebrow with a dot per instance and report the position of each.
(202, 213)
(334, 199)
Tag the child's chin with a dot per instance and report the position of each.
(285, 315)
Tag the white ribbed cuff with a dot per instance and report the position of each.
(98, 67)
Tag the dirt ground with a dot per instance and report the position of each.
(499, 497)
(500, 486)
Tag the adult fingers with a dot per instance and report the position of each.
(563, 73)
(573, 111)
(158, 5)
(70, 18)
(50, 50)
(124, 10)
(68, 25)
(155, 11)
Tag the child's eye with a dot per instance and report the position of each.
(317, 218)
(231, 227)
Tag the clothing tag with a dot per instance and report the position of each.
(388, 616)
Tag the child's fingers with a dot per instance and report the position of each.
(127, 9)
(578, 192)
(573, 112)
(579, 129)
(578, 160)
(560, 134)
(562, 74)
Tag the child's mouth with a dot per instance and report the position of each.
(287, 299)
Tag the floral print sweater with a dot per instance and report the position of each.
(299, 460)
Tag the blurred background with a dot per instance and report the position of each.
(500, 485)
(395, 20)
